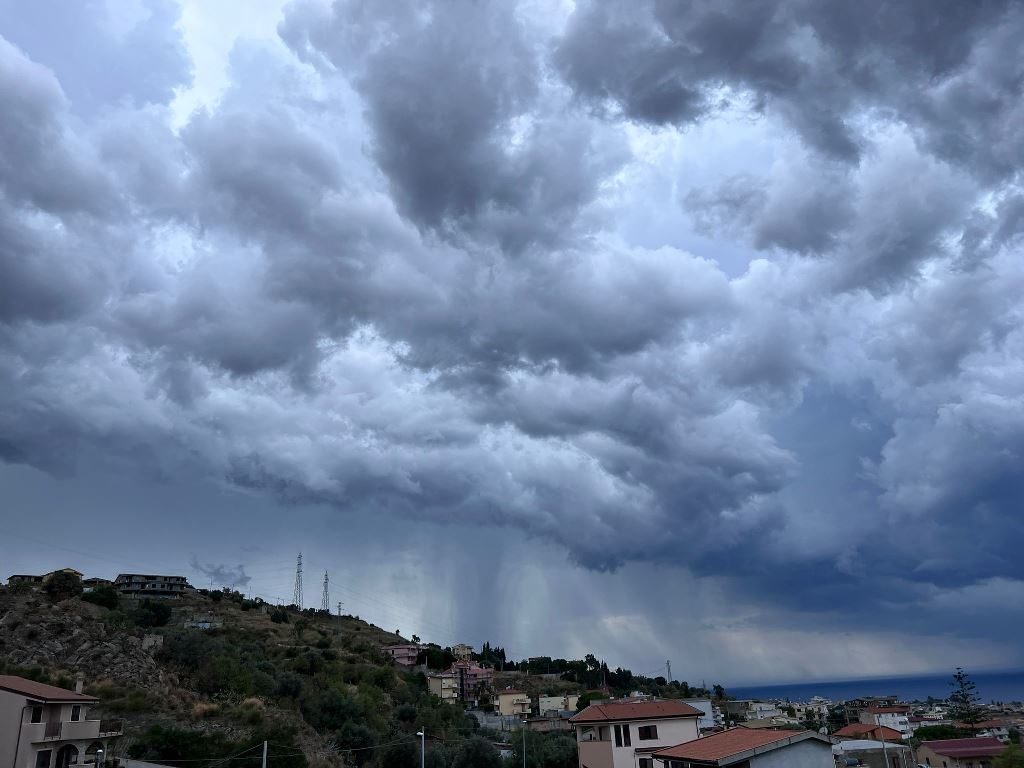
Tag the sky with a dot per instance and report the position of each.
(663, 331)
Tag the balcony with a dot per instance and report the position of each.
(57, 730)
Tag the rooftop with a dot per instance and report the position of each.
(718, 748)
(979, 746)
(41, 691)
(886, 710)
(861, 729)
(618, 711)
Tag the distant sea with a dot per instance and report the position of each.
(992, 686)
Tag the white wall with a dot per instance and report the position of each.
(805, 754)
(704, 705)
(670, 733)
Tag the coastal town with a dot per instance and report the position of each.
(656, 723)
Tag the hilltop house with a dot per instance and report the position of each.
(145, 585)
(975, 752)
(403, 654)
(895, 717)
(625, 733)
(24, 578)
(747, 748)
(42, 726)
(462, 651)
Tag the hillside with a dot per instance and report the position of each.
(317, 686)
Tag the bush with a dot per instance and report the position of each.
(152, 613)
(105, 597)
(279, 616)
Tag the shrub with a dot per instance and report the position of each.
(105, 597)
(279, 616)
(204, 710)
(152, 613)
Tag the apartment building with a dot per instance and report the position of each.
(566, 703)
(512, 702)
(148, 585)
(472, 679)
(445, 686)
(462, 651)
(895, 717)
(42, 726)
(625, 733)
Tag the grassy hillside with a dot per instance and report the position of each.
(316, 686)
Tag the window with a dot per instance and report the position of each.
(43, 758)
(37, 714)
(625, 736)
(646, 762)
(647, 732)
(618, 735)
(76, 713)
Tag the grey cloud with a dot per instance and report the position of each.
(388, 278)
(104, 52)
(221, 575)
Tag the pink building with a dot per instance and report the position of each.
(472, 679)
(404, 654)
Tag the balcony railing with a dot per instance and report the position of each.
(58, 730)
(111, 727)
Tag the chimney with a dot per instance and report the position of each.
(79, 682)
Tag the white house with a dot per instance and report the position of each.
(42, 726)
(746, 748)
(624, 733)
(897, 718)
(707, 719)
(557, 703)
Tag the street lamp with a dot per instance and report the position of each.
(524, 744)
(422, 733)
(99, 758)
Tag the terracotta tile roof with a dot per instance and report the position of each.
(635, 710)
(734, 741)
(979, 746)
(33, 690)
(886, 710)
(860, 729)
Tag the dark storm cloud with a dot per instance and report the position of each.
(386, 272)
(951, 69)
(221, 575)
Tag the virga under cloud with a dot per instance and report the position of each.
(393, 268)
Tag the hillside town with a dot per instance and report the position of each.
(659, 724)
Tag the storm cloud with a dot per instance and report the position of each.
(475, 264)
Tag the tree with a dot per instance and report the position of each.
(63, 585)
(476, 752)
(719, 691)
(963, 701)
(152, 613)
(1012, 757)
(937, 732)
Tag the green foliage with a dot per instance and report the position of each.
(165, 743)
(328, 710)
(556, 749)
(963, 701)
(104, 596)
(1012, 757)
(152, 613)
(279, 616)
(476, 753)
(405, 754)
(356, 736)
(63, 585)
(586, 697)
(936, 732)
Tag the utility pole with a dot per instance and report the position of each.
(422, 733)
(668, 665)
(524, 744)
(339, 607)
(297, 599)
(325, 603)
(264, 754)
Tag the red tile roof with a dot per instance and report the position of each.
(886, 710)
(734, 741)
(33, 690)
(979, 746)
(861, 729)
(613, 711)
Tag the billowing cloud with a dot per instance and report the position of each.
(728, 291)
